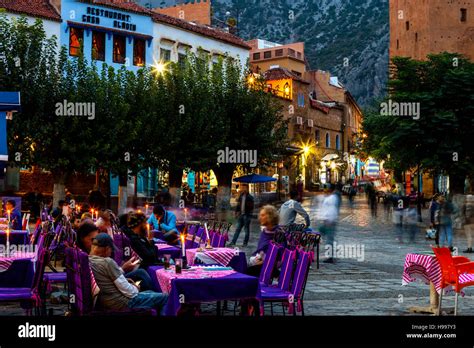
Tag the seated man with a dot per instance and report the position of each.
(290, 209)
(141, 243)
(165, 221)
(15, 215)
(86, 233)
(116, 291)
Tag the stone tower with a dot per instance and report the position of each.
(421, 27)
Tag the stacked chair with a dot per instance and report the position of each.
(291, 251)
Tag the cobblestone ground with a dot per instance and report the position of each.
(367, 286)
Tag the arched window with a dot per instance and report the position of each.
(338, 145)
(328, 141)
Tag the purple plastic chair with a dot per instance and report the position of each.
(200, 235)
(295, 294)
(269, 264)
(219, 240)
(31, 297)
(124, 252)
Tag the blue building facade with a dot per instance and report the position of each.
(118, 38)
(108, 35)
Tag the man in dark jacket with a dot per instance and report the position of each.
(243, 211)
(141, 243)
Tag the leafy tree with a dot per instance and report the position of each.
(441, 139)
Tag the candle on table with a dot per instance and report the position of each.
(146, 209)
(208, 246)
(8, 242)
(92, 212)
(183, 244)
(207, 231)
(8, 213)
(185, 214)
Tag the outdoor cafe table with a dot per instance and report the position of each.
(226, 257)
(17, 237)
(425, 267)
(205, 284)
(17, 270)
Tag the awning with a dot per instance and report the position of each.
(9, 101)
(330, 157)
(254, 179)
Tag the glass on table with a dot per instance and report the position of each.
(178, 266)
(167, 261)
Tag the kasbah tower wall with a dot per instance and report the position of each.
(421, 27)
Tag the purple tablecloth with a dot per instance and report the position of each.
(17, 237)
(175, 252)
(239, 263)
(18, 275)
(236, 286)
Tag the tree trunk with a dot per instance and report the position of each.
(135, 192)
(418, 200)
(107, 190)
(122, 193)
(224, 180)
(58, 187)
(175, 182)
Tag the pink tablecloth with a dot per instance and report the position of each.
(221, 256)
(6, 261)
(165, 277)
(426, 268)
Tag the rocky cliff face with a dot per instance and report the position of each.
(349, 38)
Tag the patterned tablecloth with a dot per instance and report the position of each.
(220, 256)
(426, 268)
(165, 277)
(7, 261)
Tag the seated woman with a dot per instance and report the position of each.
(88, 231)
(268, 218)
(104, 222)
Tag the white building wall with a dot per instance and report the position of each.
(184, 37)
(50, 27)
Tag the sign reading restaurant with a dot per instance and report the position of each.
(120, 21)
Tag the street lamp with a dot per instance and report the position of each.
(159, 67)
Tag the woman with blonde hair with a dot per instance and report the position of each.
(269, 219)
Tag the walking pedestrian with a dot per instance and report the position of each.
(329, 215)
(372, 197)
(445, 211)
(243, 212)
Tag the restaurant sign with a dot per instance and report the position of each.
(120, 20)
